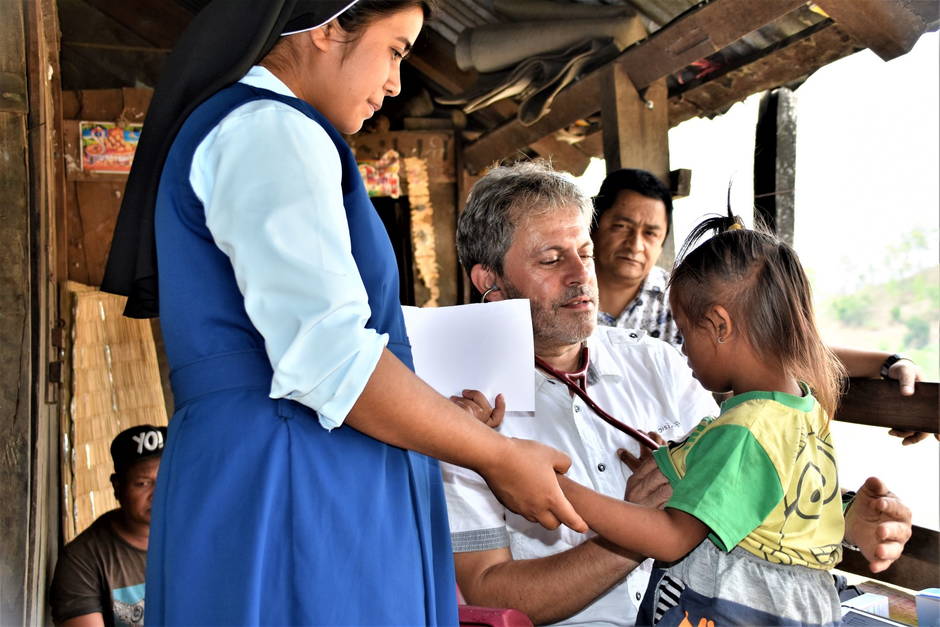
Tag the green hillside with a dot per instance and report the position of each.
(900, 316)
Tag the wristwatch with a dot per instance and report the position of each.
(890, 361)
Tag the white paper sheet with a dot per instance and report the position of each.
(486, 347)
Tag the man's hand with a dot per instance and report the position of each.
(878, 523)
(475, 403)
(647, 485)
(907, 373)
(523, 478)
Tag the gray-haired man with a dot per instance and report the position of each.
(525, 234)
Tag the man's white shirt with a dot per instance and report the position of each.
(641, 381)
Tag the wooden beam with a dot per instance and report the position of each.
(917, 568)
(876, 402)
(803, 55)
(680, 183)
(697, 33)
(159, 22)
(889, 27)
(775, 162)
(433, 57)
(562, 155)
(634, 126)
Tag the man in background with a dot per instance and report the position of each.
(99, 578)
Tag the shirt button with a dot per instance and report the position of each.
(638, 596)
(602, 467)
(577, 409)
(633, 335)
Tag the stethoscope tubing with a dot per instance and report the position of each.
(573, 386)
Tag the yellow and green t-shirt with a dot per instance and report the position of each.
(762, 476)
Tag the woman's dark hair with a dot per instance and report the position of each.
(628, 179)
(760, 281)
(364, 12)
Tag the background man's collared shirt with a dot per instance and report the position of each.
(648, 311)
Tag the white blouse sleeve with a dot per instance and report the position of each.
(270, 181)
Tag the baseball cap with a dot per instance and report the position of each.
(134, 444)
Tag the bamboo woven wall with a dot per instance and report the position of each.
(115, 385)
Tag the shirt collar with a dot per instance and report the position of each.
(263, 78)
(601, 359)
(655, 280)
(602, 362)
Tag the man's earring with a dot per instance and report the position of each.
(494, 288)
(721, 340)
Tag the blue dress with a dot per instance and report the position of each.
(262, 516)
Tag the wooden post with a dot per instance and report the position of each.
(636, 127)
(16, 381)
(775, 162)
(29, 195)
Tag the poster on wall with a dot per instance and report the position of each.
(381, 176)
(107, 146)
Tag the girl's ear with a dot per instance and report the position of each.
(484, 279)
(721, 323)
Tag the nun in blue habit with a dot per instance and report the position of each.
(298, 484)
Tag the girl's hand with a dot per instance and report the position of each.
(647, 485)
(475, 403)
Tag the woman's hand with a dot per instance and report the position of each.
(475, 403)
(523, 477)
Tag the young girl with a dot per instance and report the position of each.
(755, 519)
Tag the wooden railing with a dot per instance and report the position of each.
(877, 403)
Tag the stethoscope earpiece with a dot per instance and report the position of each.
(492, 289)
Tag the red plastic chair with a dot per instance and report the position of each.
(473, 616)
(476, 616)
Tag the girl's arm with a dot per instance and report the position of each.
(666, 535)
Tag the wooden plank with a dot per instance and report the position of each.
(562, 155)
(433, 56)
(16, 381)
(77, 261)
(917, 568)
(45, 197)
(699, 32)
(680, 183)
(876, 402)
(803, 55)
(889, 27)
(775, 162)
(98, 206)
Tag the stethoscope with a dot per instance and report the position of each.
(577, 384)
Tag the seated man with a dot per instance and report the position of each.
(632, 218)
(524, 234)
(99, 578)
